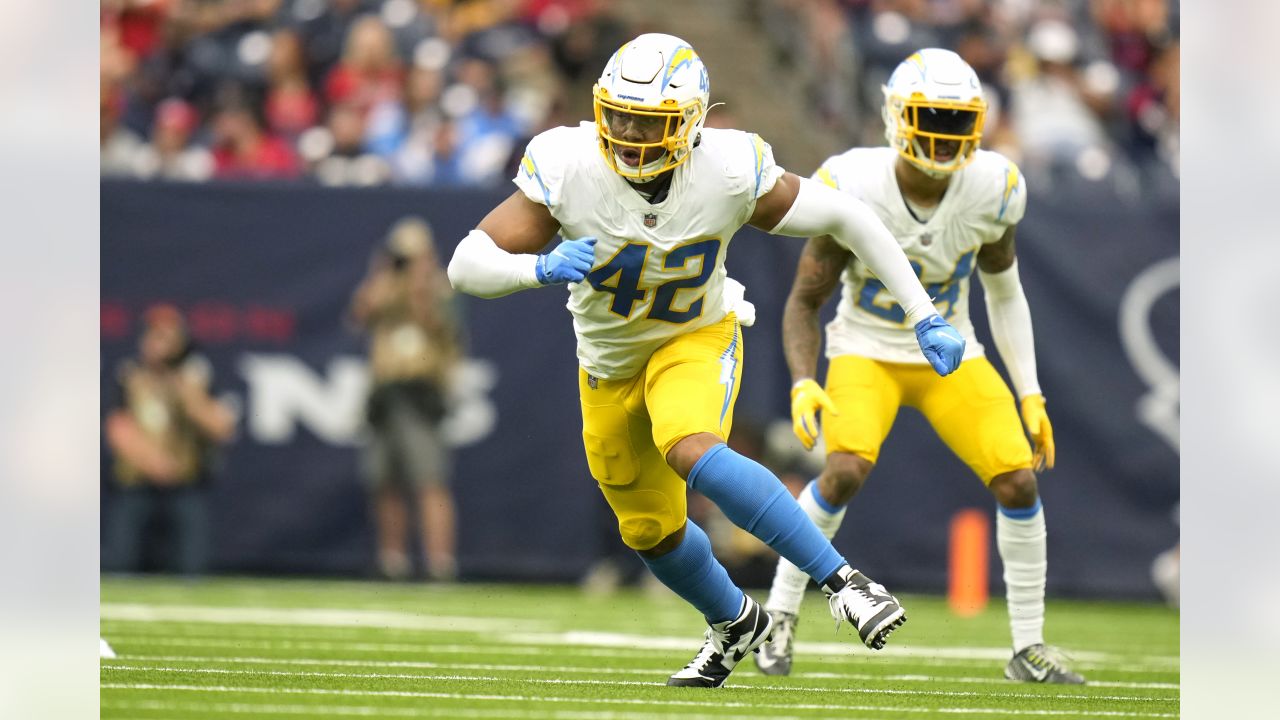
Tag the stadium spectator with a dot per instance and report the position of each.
(369, 71)
(404, 133)
(338, 151)
(291, 106)
(404, 302)
(1051, 107)
(1154, 110)
(119, 147)
(243, 150)
(487, 131)
(161, 431)
(171, 154)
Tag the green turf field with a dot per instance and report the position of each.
(316, 649)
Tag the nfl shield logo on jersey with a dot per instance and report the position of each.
(650, 219)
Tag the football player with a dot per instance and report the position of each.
(647, 200)
(953, 207)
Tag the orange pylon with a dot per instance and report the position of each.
(967, 574)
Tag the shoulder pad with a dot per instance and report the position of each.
(997, 187)
(848, 170)
(745, 159)
(548, 160)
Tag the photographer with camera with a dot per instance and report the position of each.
(404, 303)
(162, 430)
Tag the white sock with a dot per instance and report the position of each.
(1021, 542)
(789, 581)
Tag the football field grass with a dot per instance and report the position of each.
(256, 648)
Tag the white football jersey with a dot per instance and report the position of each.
(659, 268)
(984, 198)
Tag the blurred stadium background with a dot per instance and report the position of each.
(255, 153)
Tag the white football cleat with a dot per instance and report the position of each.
(727, 643)
(866, 604)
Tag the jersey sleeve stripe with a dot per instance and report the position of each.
(531, 170)
(758, 147)
(1010, 187)
(824, 174)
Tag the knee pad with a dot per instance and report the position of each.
(645, 517)
(641, 532)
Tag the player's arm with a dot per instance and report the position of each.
(1010, 319)
(804, 208)
(500, 256)
(816, 276)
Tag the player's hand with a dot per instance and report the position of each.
(941, 344)
(807, 397)
(1037, 421)
(569, 262)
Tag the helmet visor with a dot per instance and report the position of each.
(946, 121)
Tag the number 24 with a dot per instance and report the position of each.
(627, 265)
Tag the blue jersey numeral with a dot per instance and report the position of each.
(679, 258)
(947, 292)
(627, 266)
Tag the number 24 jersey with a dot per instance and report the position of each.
(983, 200)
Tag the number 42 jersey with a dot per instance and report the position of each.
(983, 200)
(659, 268)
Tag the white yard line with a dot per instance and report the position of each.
(325, 617)
(412, 621)
(312, 710)
(616, 701)
(655, 671)
(1001, 654)
(621, 683)
(1115, 662)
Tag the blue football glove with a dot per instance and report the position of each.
(569, 262)
(941, 344)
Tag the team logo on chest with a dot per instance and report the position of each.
(650, 219)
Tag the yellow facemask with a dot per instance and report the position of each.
(923, 128)
(655, 138)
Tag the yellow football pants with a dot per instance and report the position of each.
(972, 411)
(688, 386)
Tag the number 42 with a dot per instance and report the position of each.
(627, 266)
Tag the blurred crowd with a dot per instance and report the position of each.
(347, 92)
(1081, 86)
(446, 92)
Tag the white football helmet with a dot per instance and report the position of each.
(934, 111)
(654, 83)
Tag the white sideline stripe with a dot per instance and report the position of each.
(257, 642)
(598, 670)
(331, 617)
(361, 710)
(616, 701)
(624, 683)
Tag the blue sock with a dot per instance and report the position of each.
(756, 501)
(693, 573)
